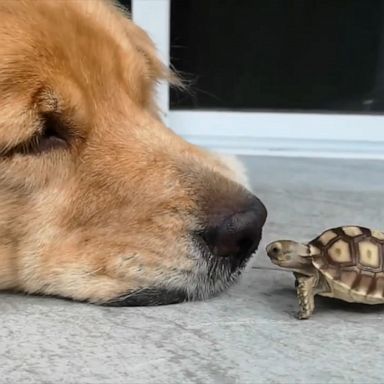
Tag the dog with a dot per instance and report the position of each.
(100, 202)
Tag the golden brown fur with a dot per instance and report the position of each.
(98, 199)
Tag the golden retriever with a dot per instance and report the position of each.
(99, 201)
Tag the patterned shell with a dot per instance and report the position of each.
(352, 258)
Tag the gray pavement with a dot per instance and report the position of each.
(248, 335)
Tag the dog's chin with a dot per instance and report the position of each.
(210, 277)
(150, 297)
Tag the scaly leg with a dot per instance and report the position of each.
(305, 287)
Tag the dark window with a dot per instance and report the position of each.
(320, 55)
(126, 3)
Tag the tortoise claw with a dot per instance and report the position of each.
(303, 315)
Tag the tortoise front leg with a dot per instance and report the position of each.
(305, 287)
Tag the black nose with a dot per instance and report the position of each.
(238, 234)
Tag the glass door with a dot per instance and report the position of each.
(273, 77)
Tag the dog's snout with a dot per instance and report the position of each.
(238, 234)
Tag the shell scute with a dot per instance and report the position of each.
(352, 258)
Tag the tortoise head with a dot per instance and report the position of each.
(289, 254)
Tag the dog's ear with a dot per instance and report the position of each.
(144, 44)
(156, 69)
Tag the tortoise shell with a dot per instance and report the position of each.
(352, 260)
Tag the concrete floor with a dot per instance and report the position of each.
(248, 335)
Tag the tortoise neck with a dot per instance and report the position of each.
(306, 270)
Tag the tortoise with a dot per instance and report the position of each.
(346, 263)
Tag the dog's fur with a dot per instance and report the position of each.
(99, 201)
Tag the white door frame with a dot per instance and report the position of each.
(260, 133)
(154, 17)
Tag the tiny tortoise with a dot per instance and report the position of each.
(345, 263)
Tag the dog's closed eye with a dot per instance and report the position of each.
(54, 134)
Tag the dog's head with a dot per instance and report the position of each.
(99, 201)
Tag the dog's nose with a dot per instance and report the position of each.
(238, 234)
